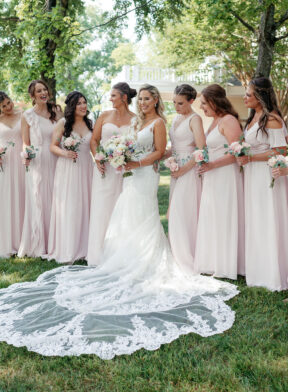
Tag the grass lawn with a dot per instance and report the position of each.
(251, 356)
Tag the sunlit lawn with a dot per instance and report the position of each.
(251, 356)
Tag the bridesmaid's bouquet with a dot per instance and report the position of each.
(29, 153)
(3, 152)
(238, 149)
(171, 164)
(118, 150)
(71, 143)
(201, 156)
(100, 156)
(277, 161)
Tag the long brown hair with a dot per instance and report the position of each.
(265, 94)
(215, 95)
(69, 113)
(51, 106)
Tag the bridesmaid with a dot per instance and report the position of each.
(11, 179)
(37, 126)
(107, 183)
(68, 235)
(220, 237)
(185, 186)
(266, 209)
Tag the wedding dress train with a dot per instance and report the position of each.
(137, 298)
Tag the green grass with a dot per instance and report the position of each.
(251, 356)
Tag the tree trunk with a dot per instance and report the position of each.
(266, 39)
(51, 46)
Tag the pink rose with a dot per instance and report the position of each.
(198, 155)
(99, 156)
(236, 148)
(24, 155)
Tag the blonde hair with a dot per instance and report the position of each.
(159, 105)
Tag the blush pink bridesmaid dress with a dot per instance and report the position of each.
(185, 194)
(38, 188)
(105, 192)
(220, 237)
(266, 215)
(12, 193)
(69, 225)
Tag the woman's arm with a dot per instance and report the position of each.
(196, 126)
(56, 140)
(25, 132)
(273, 123)
(230, 128)
(279, 171)
(95, 140)
(159, 144)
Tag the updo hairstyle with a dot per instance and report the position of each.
(124, 89)
(186, 90)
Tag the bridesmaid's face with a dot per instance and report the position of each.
(206, 107)
(116, 98)
(250, 101)
(146, 102)
(41, 94)
(81, 107)
(7, 106)
(182, 106)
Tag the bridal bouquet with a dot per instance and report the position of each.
(238, 149)
(118, 150)
(3, 152)
(277, 161)
(71, 143)
(171, 164)
(29, 153)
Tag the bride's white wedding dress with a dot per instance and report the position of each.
(137, 298)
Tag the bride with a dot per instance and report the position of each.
(138, 297)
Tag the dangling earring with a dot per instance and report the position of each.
(155, 105)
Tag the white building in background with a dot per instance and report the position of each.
(167, 79)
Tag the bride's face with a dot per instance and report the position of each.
(146, 102)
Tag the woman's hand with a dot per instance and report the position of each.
(205, 167)
(131, 165)
(26, 162)
(178, 173)
(71, 154)
(243, 160)
(100, 167)
(279, 171)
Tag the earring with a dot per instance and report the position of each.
(155, 105)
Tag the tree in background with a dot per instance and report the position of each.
(250, 37)
(38, 39)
